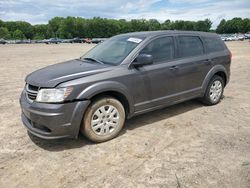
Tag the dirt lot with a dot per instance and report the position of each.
(187, 145)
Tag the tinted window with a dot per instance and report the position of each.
(162, 49)
(213, 44)
(190, 46)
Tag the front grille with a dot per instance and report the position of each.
(31, 92)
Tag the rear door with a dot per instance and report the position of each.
(217, 51)
(192, 65)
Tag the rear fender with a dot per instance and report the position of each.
(210, 74)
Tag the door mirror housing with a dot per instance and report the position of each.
(143, 59)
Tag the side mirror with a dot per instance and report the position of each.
(143, 59)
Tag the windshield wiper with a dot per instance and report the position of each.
(93, 59)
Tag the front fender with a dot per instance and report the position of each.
(211, 73)
(107, 86)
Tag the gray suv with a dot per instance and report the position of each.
(124, 76)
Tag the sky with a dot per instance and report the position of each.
(40, 11)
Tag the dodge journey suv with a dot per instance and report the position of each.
(124, 76)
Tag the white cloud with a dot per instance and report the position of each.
(188, 1)
(40, 11)
(215, 11)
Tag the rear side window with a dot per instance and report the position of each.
(189, 46)
(213, 44)
(162, 49)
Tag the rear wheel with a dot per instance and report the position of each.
(103, 119)
(214, 91)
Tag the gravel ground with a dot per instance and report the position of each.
(186, 145)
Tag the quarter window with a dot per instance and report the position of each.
(213, 44)
(190, 46)
(162, 49)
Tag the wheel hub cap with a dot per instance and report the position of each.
(215, 91)
(105, 120)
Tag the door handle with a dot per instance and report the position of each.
(208, 61)
(174, 68)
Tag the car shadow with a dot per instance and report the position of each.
(161, 114)
(136, 122)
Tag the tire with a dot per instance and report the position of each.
(214, 91)
(103, 120)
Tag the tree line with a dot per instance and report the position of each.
(97, 27)
(235, 25)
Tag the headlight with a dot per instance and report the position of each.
(53, 95)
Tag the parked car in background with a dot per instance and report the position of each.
(233, 37)
(66, 40)
(25, 41)
(223, 38)
(98, 40)
(87, 40)
(53, 41)
(247, 36)
(2, 41)
(124, 76)
(241, 37)
(76, 40)
(229, 38)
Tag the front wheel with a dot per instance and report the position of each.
(214, 91)
(103, 119)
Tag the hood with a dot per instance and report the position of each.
(55, 74)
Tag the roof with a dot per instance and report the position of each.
(166, 32)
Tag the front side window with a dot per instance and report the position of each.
(189, 46)
(114, 50)
(162, 49)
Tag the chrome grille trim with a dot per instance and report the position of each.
(31, 92)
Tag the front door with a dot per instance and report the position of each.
(160, 75)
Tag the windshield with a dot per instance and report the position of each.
(114, 50)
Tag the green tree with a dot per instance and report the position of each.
(189, 26)
(70, 27)
(1, 23)
(54, 26)
(203, 25)
(101, 27)
(124, 26)
(138, 25)
(221, 26)
(18, 35)
(235, 25)
(246, 24)
(81, 27)
(4, 33)
(178, 25)
(153, 25)
(40, 31)
(25, 27)
(166, 25)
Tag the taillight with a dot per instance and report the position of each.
(230, 54)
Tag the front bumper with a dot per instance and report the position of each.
(52, 121)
